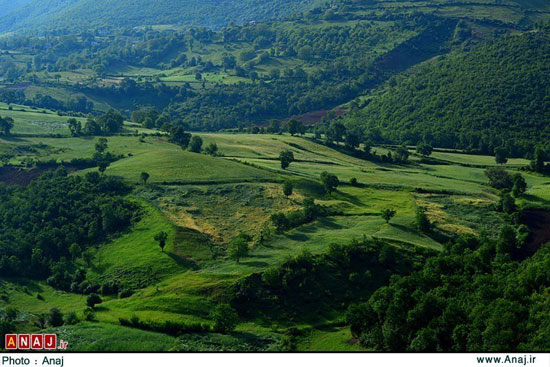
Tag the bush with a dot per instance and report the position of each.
(71, 319)
(55, 317)
(499, 178)
(93, 300)
(225, 319)
(421, 220)
(167, 327)
(125, 293)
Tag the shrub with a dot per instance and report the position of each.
(55, 317)
(225, 319)
(93, 300)
(71, 319)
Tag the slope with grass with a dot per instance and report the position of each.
(207, 201)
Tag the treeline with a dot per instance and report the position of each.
(310, 283)
(471, 297)
(79, 104)
(495, 96)
(51, 222)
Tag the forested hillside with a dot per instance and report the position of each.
(77, 14)
(496, 95)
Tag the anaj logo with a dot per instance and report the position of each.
(34, 341)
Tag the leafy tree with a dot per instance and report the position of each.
(55, 317)
(401, 155)
(280, 221)
(93, 300)
(388, 214)
(180, 137)
(330, 181)
(499, 178)
(294, 126)
(161, 238)
(506, 242)
(520, 185)
(336, 131)
(6, 124)
(287, 188)
(501, 155)
(144, 176)
(538, 162)
(196, 144)
(101, 145)
(75, 126)
(75, 251)
(424, 149)
(211, 149)
(238, 248)
(421, 220)
(225, 319)
(286, 157)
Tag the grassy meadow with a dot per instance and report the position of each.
(203, 202)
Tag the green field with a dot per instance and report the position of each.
(203, 202)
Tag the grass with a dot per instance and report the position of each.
(208, 200)
(333, 339)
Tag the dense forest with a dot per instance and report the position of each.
(494, 96)
(472, 297)
(55, 218)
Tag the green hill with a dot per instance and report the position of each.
(495, 95)
(71, 14)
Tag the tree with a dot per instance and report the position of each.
(211, 149)
(421, 220)
(330, 181)
(75, 251)
(180, 137)
(93, 300)
(238, 248)
(225, 319)
(538, 162)
(506, 240)
(144, 177)
(353, 139)
(294, 126)
(6, 124)
(401, 155)
(388, 214)
(161, 238)
(501, 155)
(520, 185)
(75, 127)
(287, 188)
(101, 145)
(336, 131)
(499, 178)
(55, 317)
(196, 144)
(424, 149)
(102, 165)
(286, 157)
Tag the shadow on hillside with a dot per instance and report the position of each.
(186, 263)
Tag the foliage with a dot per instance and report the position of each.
(443, 105)
(196, 144)
(225, 318)
(432, 309)
(287, 188)
(93, 300)
(330, 181)
(388, 214)
(42, 221)
(238, 247)
(286, 157)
